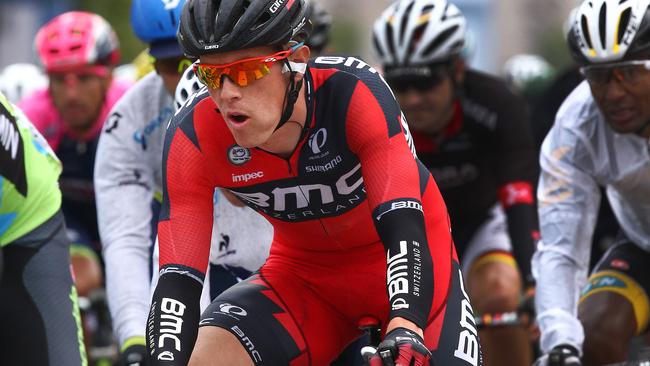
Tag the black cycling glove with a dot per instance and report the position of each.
(561, 355)
(135, 355)
(402, 347)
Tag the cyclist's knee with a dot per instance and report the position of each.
(494, 287)
(214, 341)
(87, 271)
(609, 324)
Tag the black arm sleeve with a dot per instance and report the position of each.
(173, 321)
(409, 271)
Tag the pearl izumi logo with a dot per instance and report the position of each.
(239, 155)
(318, 140)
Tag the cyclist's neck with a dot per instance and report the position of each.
(283, 142)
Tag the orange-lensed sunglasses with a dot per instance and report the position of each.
(242, 72)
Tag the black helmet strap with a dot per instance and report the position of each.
(291, 96)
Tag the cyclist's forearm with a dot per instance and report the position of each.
(409, 269)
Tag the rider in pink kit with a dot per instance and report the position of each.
(78, 51)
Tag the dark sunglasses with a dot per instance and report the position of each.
(402, 83)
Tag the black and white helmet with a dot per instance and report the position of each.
(188, 85)
(216, 26)
(417, 32)
(609, 30)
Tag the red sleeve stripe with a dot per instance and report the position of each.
(516, 193)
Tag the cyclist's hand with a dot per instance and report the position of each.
(401, 347)
(562, 355)
(135, 355)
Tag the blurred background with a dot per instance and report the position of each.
(498, 28)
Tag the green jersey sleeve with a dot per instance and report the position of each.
(29, 174)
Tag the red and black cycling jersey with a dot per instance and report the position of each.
(352, 182)
(484, 156)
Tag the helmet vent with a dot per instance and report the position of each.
(417, 37)
(585, 31)
(378, 48)
(404, 21)
(625, 21)
(440, 39)
(389, 38)
(603, 25)
(265, 17)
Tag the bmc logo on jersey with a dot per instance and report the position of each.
(346, 61)
(309, 201)
(238, 155)
(317, 141)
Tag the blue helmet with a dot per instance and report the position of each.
(155, 22)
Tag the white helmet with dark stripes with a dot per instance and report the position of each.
(609, 30)
(419, 32)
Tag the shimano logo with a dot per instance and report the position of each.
(276, 5)
(171, 322)
(246, 177)
(467, 349)
(324, 168)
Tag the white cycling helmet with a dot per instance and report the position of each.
(188, 85)
(419, 32)
(525, 69)
(610, 30)
(20, 79)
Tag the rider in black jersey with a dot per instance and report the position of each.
(474, 136)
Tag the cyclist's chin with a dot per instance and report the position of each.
(250, 137)
(625, 124)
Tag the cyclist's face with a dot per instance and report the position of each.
(251, 112)
(79, 96)
(622, 92)
(428, 108)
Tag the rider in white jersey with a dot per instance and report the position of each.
(600, 138)
(128, 180)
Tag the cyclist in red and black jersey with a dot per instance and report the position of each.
(322, 151)
(472, 133)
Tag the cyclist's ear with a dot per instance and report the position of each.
(458, 70)
(301, 55)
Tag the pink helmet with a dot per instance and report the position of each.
(75, 39)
